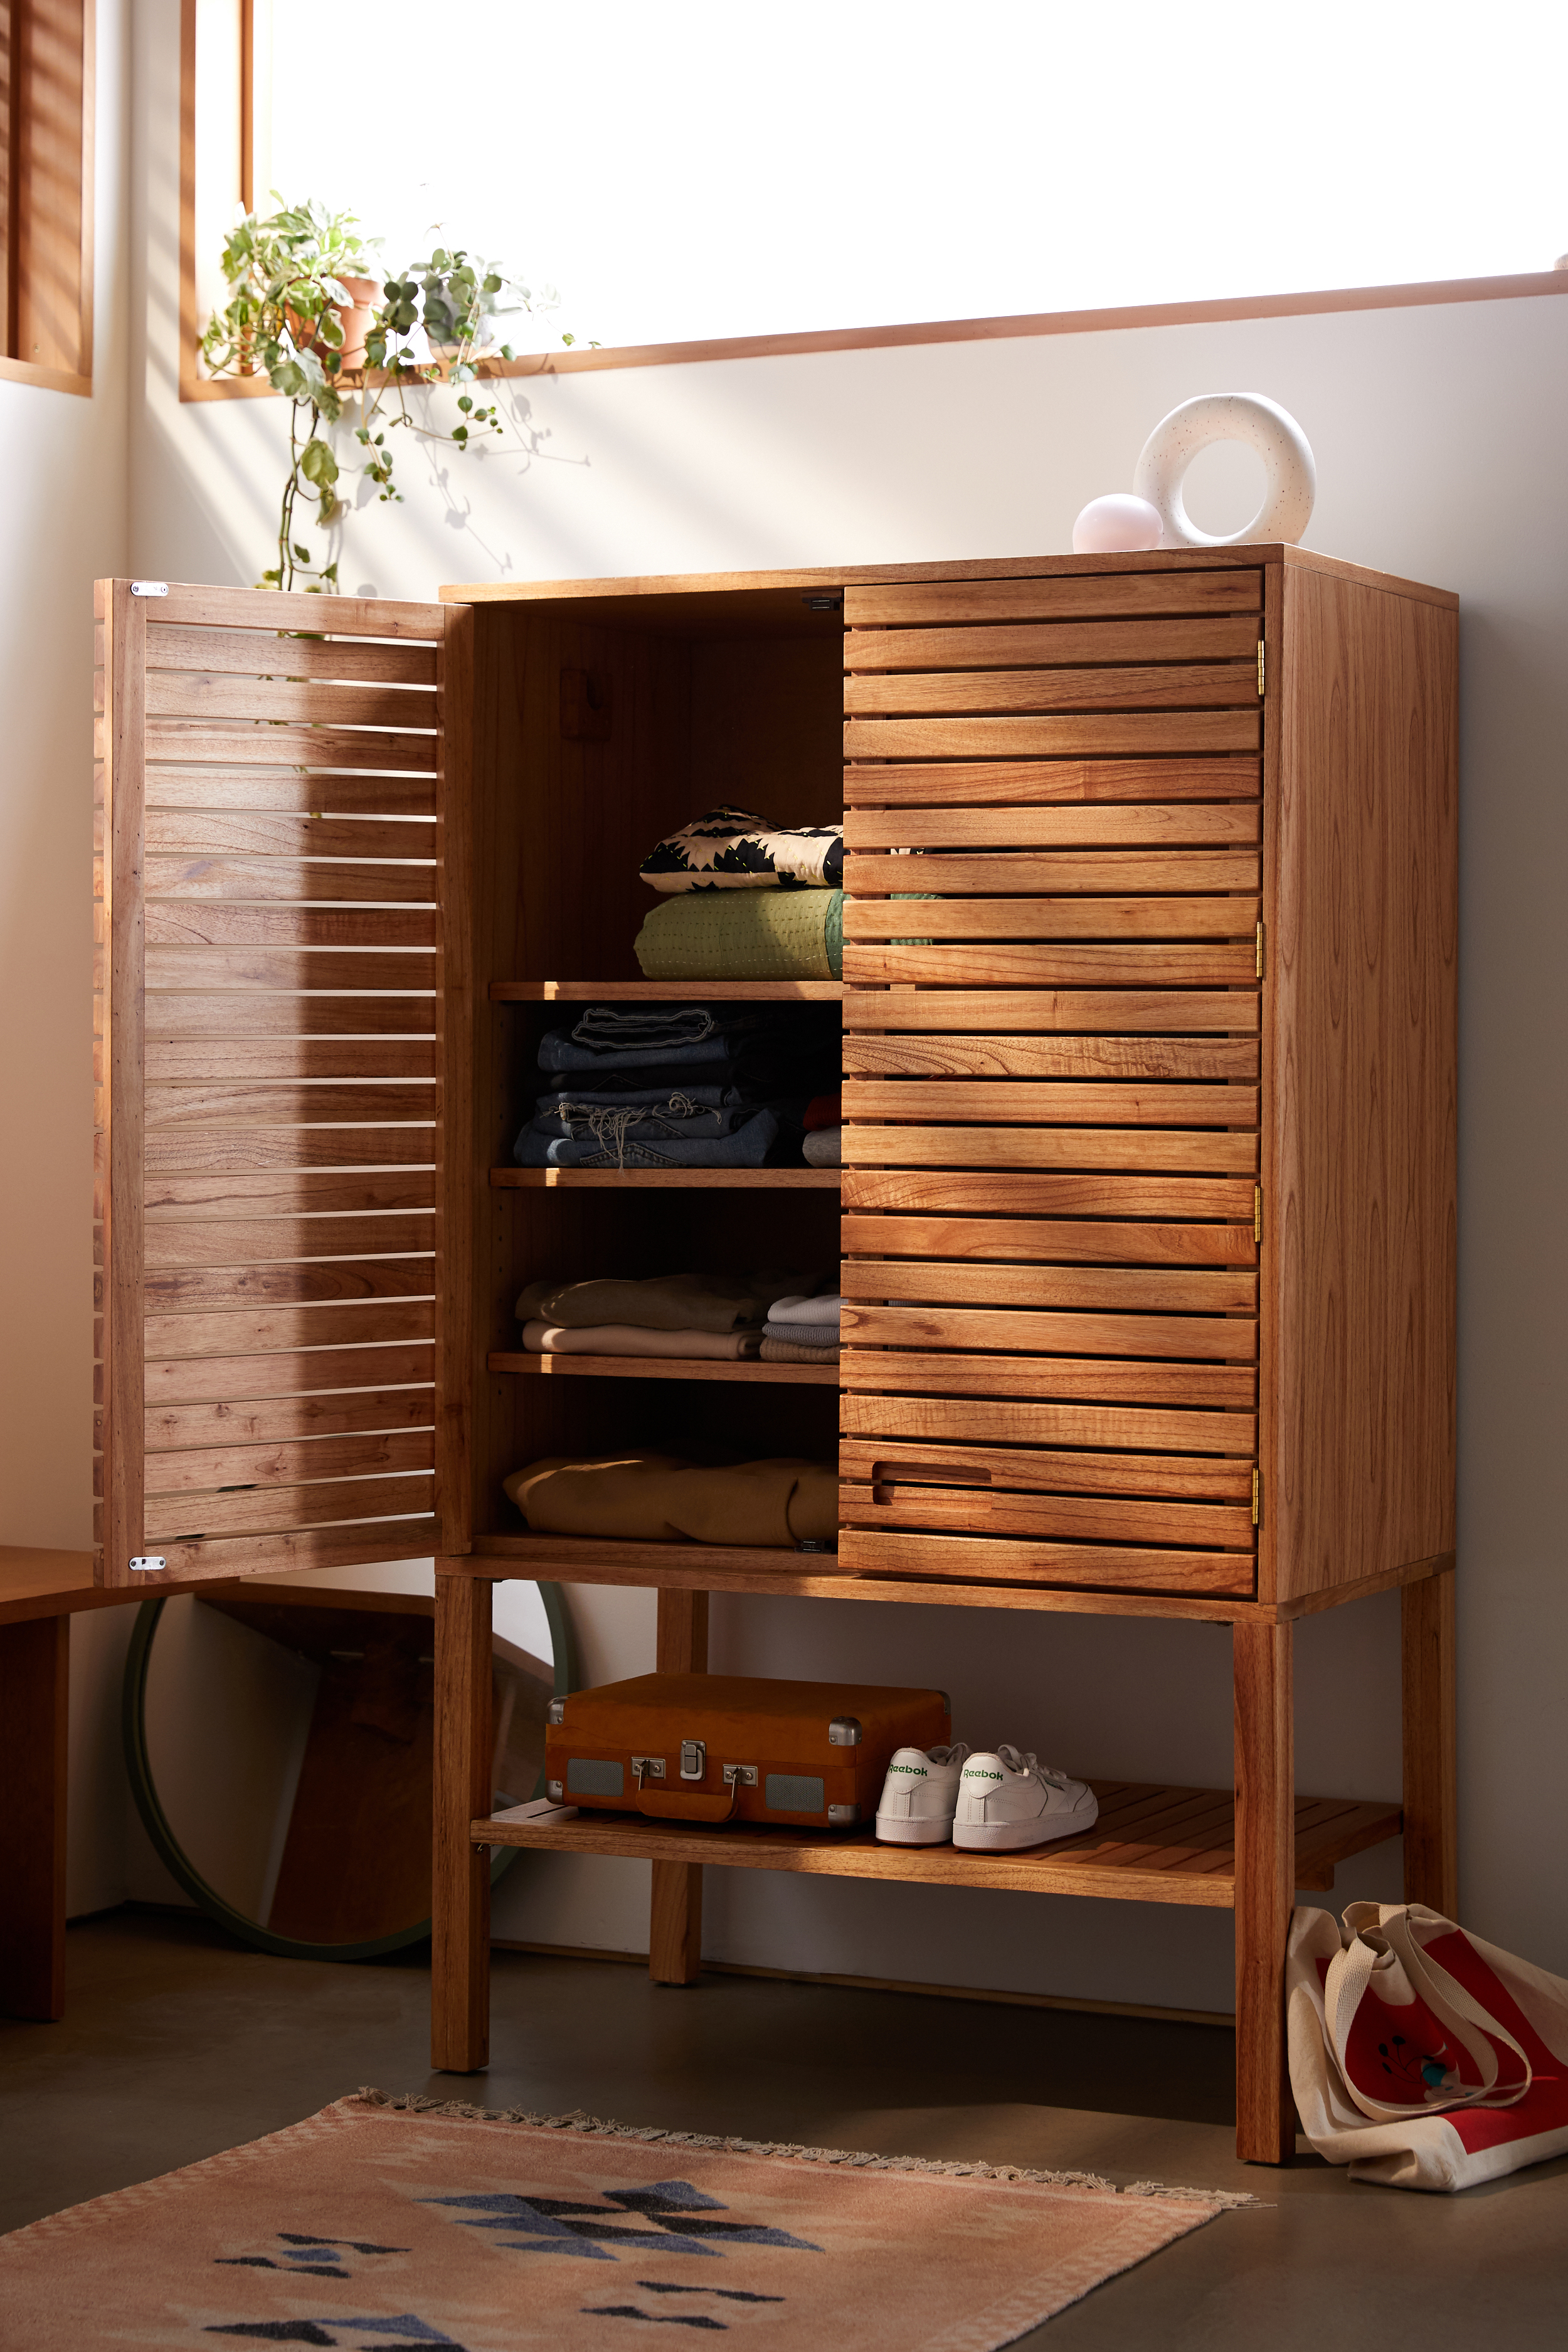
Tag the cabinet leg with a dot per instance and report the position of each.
(1265, 1887)
(674, 1916)
(460, 1877)
(35, 1670)
(1431, 1828)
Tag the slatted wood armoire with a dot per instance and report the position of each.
(1147, 1209)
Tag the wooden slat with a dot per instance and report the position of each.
(1157, 825)
(1001, 1056)
(254, 832)
(189, 922)
(924, 921)
(172, 1017)
(287, 1106)
(1131, 1104)
(286, 1549)
(942, 693)
(240, 967)
(1209, 1151)
(181, 1519)
(237, 1241)
(1031, 783)
(1174, 870)
(1016, 1239)
(279, 1327)
(979, 1559)
(287, 879)
(251, 1152)
(1073, 1011)
(187, 1060)
(1068, 1379)
(1015, 646)
(289, 1284)
(985, 1420)
(1064, 1518)
(1120, 966)
(219, 1379)
(224, 698)
(220, 608)
(1119, 1289)
(213, 1466)
(171, 741)
(914, 604)
(1167, 732)
(1046, 1196)
(266, 653)
(1213, 1339)
(289, 789)
(276, 1421)
(217, 1198)
(1175, 1478)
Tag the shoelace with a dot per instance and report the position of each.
(1031, 1765)
(609, 1129)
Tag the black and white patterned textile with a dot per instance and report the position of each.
(733, 850)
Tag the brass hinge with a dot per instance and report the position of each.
(1258, 1498)
(1259, 665)
(1260, 948)
(1257, 1213)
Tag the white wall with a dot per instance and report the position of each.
(63, 467)
(1441, 455)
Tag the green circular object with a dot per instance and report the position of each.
(173, 1855)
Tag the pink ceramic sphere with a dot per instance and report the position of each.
(1116, 526)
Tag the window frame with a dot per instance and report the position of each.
(903, 334)
(29, 240)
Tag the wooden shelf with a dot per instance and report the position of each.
(812, 1576)
(667, 991)
(527, 1179)
(1151, 1844)
(664, 1368)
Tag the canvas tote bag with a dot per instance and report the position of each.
(1420, 2056)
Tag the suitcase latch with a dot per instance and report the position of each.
(693, 1759)
(843, 1731)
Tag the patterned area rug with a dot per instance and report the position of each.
(381, 2223)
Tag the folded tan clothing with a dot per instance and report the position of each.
(664, 1302)
(632, 1339)
(660, 1498)
(791, 1352)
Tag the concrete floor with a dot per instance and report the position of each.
(178, 2044)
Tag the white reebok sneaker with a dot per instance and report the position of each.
(1006, 1800)
(919, 1795)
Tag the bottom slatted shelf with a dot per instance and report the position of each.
(1151, 1844)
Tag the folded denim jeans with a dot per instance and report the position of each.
(637, 1140)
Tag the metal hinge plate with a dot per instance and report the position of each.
(1258, 1498)
(1262, 945)
(147, 1563)
(1261, 657)
(1257, 1213)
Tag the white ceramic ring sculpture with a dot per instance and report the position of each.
(1264, 426)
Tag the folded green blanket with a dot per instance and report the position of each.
(744, 935)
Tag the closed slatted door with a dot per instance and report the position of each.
(281, 1036)
(1053, 844)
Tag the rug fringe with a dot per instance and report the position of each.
(414, 2102)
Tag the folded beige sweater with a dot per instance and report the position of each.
(632, 1340)
(660, 1498)
(666, 1302)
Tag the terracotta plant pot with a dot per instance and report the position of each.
(354, 318)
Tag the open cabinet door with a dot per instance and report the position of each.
(283, 1039)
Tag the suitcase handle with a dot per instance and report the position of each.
(680, 1805)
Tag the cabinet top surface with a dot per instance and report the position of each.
(1010, 567)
